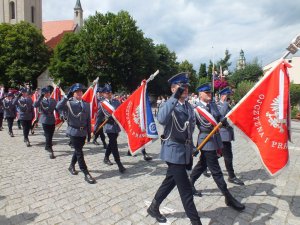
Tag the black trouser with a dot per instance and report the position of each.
(10, 122)
(177, 176)
(26, 124)
(48, 133)
(209, 159)
(78, 143)
(227, 154)
(19, 123)
(99, 133)
(1, 119)
(112, 146)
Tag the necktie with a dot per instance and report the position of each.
(208, 107)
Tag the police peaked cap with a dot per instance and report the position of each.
(100, 89)
(180, 78)
(76, 87)
(107, 88)
(45, 90)
(10, 94)
(24, 90)
(225, 91)
(204, 88)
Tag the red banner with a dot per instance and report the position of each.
(34, 98)
(135, 117)
(90, 96)
(56, 95)
(263, 116)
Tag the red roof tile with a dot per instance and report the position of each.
(53, 31)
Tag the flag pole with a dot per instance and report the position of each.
(152, 76)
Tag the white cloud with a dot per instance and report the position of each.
(263, 29)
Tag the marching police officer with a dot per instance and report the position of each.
(24, 106)
(46, 107)
(9, 112)
(99, 120)
(79, 127)
(1, 112)
(112, 129)
(209, 157)
(227, 135)
(178, 118)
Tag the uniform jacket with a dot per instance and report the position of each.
(100, 115)
(177, 146)
(46, 109)
(1, 106)
(24, 108)
(111, 126)
(227, 133)
(9, 109)
(205, 127)
(78, 116)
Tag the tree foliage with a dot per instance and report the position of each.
(295, 94)
(202, 70)
(251, 72)
(186, 66)
(242, 89)
(67, 65)
(224, 63)
(23, 56)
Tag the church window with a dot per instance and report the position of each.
(32, 14)
(76, 13)
(12, 10)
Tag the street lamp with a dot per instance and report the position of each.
(293, 47)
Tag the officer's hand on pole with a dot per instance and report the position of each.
(224, 122)
(179, 92)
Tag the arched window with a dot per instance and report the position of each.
(32, 13)
(12, 10)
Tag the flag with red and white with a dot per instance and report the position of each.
(57, 95)
(90, 96)
(263, 116)
(34, 98)
(135, 117)
(107, 107)
(199, 111)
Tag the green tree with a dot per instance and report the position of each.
(23, 53)
(67, 64)
(186, 66)
(115, 50)
(295, 94)
(202, 70)
(210, 69)
(242, 89)
(168, 67)
(224, 63)
(251, 72)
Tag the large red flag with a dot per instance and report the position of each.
(90, 96)
(56, 95)
(263, 116)
(135, 117)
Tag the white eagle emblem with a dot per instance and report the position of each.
(274, 116)
(136, 116)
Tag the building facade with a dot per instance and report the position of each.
(15, 11)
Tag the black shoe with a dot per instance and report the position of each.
(32, 131)
(27, 143)
(122, 169)
(88, 178)
(72, 170)
(95, 142)
(128, 153)
(11, 134)
(195, 192)
(107, 161)
(206, 173)
(232, 202)
(153, 211)
(147, 157)
(20, 128)
(196, 222)
(51, 156)
(236, 180)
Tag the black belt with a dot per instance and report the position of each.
(179, 141)
(79, 128)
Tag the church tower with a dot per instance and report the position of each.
(15, 11)
(78, 15)
(241, 63)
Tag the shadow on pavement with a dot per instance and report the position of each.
(20, 219)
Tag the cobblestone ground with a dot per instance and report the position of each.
(37, 190)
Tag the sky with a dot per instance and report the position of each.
(199, 31)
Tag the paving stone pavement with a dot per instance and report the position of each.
(37, 190)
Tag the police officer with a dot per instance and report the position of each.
(46, 107)
(1, 112)
(79, 127)
(99, 120)
(112, 129)
(177, 117)
(227, 136)
(9, 112)
(24, 106)
(209, 156)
